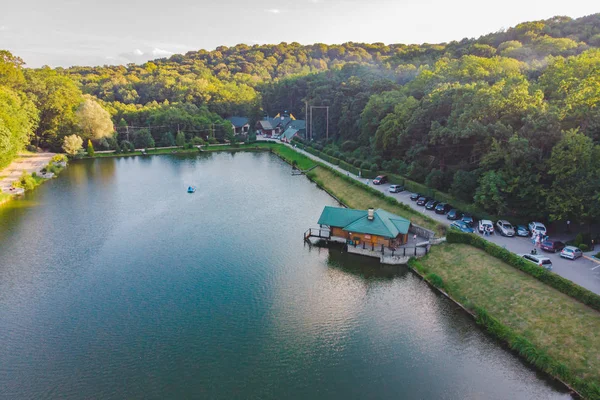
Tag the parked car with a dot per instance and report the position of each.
(415, 196)
(537, 227)
(431, 204)
(467, 218)
(380, 180)
(505, 228)
(521, 230)
(422, 201)
(571, 252)
(541, 261)
(443, 208)
(396, 188)
(485, 225)
(454, 214)
(461, 226)
(553, 246)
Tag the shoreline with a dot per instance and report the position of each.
(292, 160)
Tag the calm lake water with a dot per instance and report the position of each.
(115, 283)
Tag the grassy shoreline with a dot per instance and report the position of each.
(500, 297)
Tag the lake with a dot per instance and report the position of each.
(116, 283)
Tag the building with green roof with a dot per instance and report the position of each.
(377, 227)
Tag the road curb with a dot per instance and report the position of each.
(592, 258)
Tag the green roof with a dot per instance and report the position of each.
(383, 224)
(289, 133)
(340, 217)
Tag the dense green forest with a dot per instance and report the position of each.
(509, 121)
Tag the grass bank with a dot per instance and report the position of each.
(357, 195)
(552, 330)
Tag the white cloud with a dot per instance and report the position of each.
(156, 52)
(3, 28)
(138, 52)
(273, 11)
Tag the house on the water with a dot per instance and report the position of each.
(240, 125)
(374, 228)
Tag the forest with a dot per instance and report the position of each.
(508, 121)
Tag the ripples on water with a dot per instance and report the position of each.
(119, 284)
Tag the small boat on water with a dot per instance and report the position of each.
(191, 189)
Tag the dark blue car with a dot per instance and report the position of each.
(461, 226)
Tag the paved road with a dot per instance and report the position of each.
(28, 162)
(582, 271)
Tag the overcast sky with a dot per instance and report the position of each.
(94, 32)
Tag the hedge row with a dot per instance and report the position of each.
(518, 343)
(556, 281)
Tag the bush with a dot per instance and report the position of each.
(31, 148)
(59, 158)
(198, 141)
(374, 167)
(337, 154)
(584, 247)
(26, 181)
(556, 281)
(435, 280)
(578, 240)
(365, 165)
(357, 163)
(349, 145)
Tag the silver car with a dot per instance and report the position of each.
(541, 261)
(571, 252)
(505, 228)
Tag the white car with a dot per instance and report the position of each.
(571, 252)
(537, 228)
(541, 261)
(395, 188)
(485, 225)
(505, 228)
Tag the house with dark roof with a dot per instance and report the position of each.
(289, 134)
(240, 125)
(372, 227)
(264, 127)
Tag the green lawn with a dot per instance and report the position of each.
(356, 195)
(564, 328)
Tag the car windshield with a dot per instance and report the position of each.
(546, 262)
(379, 177)
(568, 250)
(508, 226)
(540, 227)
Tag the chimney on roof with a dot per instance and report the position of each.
(371, 214)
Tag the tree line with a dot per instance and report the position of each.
(492, 120)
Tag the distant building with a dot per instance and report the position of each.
(376, 227)
(264, 128)
(275, 127)
(289, 134)
(240, 125)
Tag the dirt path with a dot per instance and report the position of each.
(26, 162)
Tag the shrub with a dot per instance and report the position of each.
(213, 141)
(435, 280)
(26, 181)
(59, 158)
(199, 141)
(329, 152)
(337, 154)
(349, 145)
(583, 247)
(374, 167)
(578, 239)
(90, 148)
(31, 148)
(365, 165)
